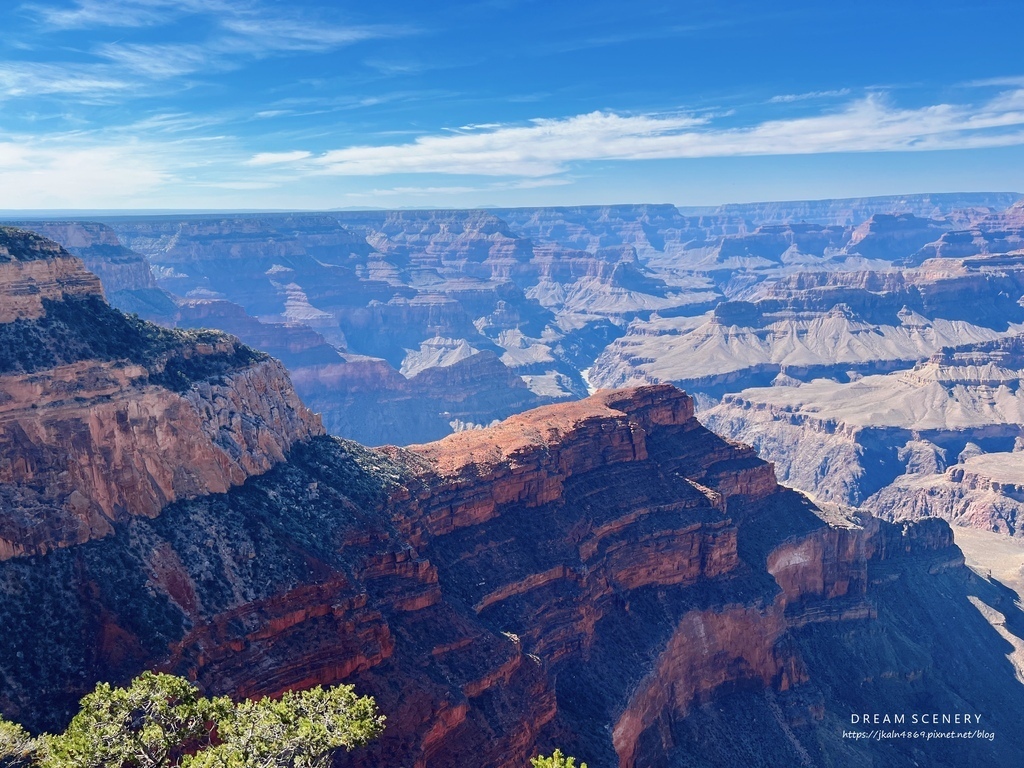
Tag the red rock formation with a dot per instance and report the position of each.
(86, 441)
(506, 573)
(590, 574)
(49, 274)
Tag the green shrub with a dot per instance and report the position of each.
(161, 721)
(556, 760)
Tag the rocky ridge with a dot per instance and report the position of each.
(126, 277)
(103, 416)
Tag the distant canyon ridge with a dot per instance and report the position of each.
(872, 349)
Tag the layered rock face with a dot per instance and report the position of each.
(846, 442)
(389, 286)
(607, 576)
(821, 324)
(34, 271)
(985, 491)
(103, 416)
(127, 280)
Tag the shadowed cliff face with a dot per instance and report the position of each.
(605, 575)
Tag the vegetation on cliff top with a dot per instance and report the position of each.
(21, 245)
(161, 721)
(88, 328)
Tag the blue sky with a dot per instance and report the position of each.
(312, 105)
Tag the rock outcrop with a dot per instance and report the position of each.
(34, 271)
(984, 491)
(126, 277)
(103, 416)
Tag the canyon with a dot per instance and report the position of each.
(405, 326)
(605, 575)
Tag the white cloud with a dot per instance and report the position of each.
(84, 14)
(542, 148)
(38, 176)
(1012, 82)
(546, 147)
(157, 61)
(268, 33)
(276, 158)
(241, 31)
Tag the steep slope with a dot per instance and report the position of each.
(606, 575)
(104, 416)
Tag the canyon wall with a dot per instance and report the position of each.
(607, 576)
(103, 416)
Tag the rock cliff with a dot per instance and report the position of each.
(606, 575)
(104, 416)
(846, 442)
(984, 490)
(126, 277)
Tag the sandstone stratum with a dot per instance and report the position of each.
(607, 576)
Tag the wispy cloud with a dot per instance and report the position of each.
(157, 61)
(545, 147)
(240, 31)
(788, 98)
(276, 158)
(85, 14)
(999, 82)
(43, 176)
(542, 148)
(35, 79)
(298, 34)
(119, 166)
